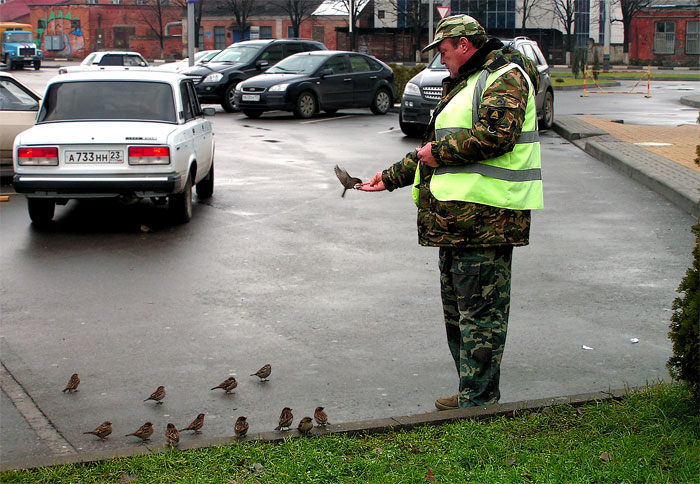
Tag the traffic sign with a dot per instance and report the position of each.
(443, 11)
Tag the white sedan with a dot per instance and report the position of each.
(109, 61)
(201, 57)
(120, 134)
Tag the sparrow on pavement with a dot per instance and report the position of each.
(241, 427)
(346, 180)
(102, 431)
(72, 384)
(286, 419)
(172, 435)
(263, 372)
(305, 425)
(196, 424)
(227, 385)
(144, 432)
(158, 395)
(320, 417)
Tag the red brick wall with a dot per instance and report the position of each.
(643, 27)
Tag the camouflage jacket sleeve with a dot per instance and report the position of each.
(401, 173)
(497, 128)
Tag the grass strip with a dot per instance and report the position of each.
(650, 436)
(621, 75)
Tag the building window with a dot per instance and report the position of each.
(492, 14)
(219, 38)
(318, 33)
(380, 13)
(266, 31)
(692, 40)
(200, 41)
(664, 37)
(290, 32)
(122, 35)
(92, 2)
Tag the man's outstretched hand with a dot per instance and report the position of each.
(374, 185)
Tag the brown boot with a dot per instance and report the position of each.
(447, 403)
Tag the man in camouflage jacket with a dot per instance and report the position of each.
(476, 240)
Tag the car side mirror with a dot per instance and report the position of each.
(326, 72)
(262, 64)
(209, 111)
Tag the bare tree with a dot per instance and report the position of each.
(530, 10)
(197, 19)
(298, 11)
(565, 13)
(352, 8)
(156, 14)
(242, 10)
(416, 14)
(629, 9)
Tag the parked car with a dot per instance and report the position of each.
(18, 108)
(108, 60)
(216, 81)
(423, 92)
(325, 80)
(126, 134)
(201, 57)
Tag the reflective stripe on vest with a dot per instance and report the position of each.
(512, 180)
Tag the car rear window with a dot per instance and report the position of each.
(108, 100)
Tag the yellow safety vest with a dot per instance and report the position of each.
(512, 180)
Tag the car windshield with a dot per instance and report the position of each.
(108, 100)
(297, 64)
(436, 64)
(18, 36)
(237, 53)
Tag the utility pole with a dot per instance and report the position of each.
(606, 36)
(430, 30)
(190, 31)
(351, 18)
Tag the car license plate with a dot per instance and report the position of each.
(96, 156)
(251, 97)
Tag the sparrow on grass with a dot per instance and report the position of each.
(305, 425)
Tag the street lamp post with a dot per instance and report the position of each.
(190, 31)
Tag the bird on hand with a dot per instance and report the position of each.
(241, 427)
(102, 431)
(227, 385)
(196, 424)
(286, 419)
(263, 373)
(320, 417)
(346, 180)
(305, 425)
(144, 432)
(172, 435)
(72, 384)
(158, 395)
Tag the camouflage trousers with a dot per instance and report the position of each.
(475, 287)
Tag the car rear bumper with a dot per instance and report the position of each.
(69, 186)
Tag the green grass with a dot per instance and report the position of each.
(622, 75)
(652, 436)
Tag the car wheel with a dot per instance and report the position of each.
(381, 102)
(547, 112)
(412, 130)
(180, 204)
(41, 210)
(228, 103)
(205, 188)
(252, 113)
(305, 106)
(37, 65)
(8, 62)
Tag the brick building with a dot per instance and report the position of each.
(666, 33)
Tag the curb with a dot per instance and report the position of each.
(693, 101)
(675, 182)
(349, 428)
(580, 86)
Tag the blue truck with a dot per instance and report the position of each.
(18, 46)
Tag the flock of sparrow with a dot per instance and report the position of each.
(172, 434)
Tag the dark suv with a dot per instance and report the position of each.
(216, 80)
(424, 90)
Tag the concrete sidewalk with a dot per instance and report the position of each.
(663, 161)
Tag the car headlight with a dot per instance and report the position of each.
(412, 89)
(279, 87)
(215, 77)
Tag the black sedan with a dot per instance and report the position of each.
(324, 80)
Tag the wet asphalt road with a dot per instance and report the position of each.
(334, 292)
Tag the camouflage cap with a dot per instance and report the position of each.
(455, 26)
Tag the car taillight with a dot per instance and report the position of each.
(149, 155)
(37, 156)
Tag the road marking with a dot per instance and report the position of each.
(33, 414)
(392, 130)
(321, 120)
